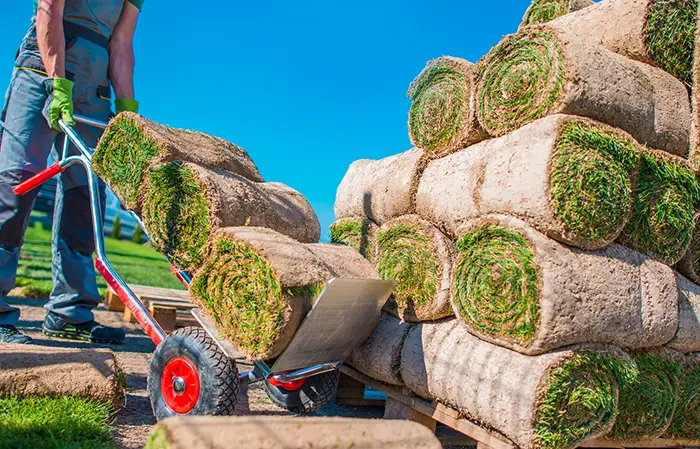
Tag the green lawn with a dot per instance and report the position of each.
(137, 264)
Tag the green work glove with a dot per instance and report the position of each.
(126, 104)
(60, 103)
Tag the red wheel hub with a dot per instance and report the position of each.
(180, 385)
(289, 386)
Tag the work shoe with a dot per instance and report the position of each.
(10, 334)
(92, 331)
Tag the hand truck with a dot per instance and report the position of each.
(193, 370)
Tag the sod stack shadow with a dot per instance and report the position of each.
(380, 190)
(657, 32)
(555, 400)
(570, 177)
(442, 118)
(419, 258)
(540, 71)
(185, 203)
(379, 356)
(356, 232)
(687, 338)
(543, 11)
(32, 370)
(646, 406)
(515, 287)
(131, 144)
(258, 284)
(666, 196)
(686, 419)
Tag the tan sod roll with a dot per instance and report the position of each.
(379, 356)
(185, 203)
(658, 32)
(258, 285)
(542, 11)
(442, 118)
(687, 338)
(570, 177)
(515, 287)
(554, 400)
(540, 71)
(356, 232)
(284, 432)
(689, 264)
(380, 190)
(131, 144)
(33, 370)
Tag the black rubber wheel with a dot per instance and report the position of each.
(191, 375)
(315, 392)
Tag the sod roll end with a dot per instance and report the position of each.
(356, 232)
(686, 418)
(543, 11)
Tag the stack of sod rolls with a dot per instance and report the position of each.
(250, 245)
(542, 231)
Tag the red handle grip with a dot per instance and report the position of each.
(38, 179)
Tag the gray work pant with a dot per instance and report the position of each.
(25, 144)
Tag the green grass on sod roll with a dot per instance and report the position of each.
(647, 405)
(157, 439)
(542, 11)
(686, 420)
(591, 178)
(176, 215)
(406, 255)
(122, 156)
(520, 81)
(353, 232)
(580, 398)
(663, 212)
(441, 102)
(54, 423)
(669, 36)
(496, 282)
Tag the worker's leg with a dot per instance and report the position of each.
(25, 143)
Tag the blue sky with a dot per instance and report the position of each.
(305, 87)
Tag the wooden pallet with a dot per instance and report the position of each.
(170, 307)
(403, 404)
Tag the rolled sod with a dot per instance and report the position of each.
(542, 71)
(658, 32)
(258, 284)
(646, 406)
(571, 178)
(689, 264)
(542, 11)
(666, 196)
(419, 257)
(356, 232)
(554, 400)
(287, 432)
(185, 203)
(380, 190)
(379, 356)
(442, 118)
(515, 287)
(687, 338)
(33, 370)
(686, 419)
(131, 144)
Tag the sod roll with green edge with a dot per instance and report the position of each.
(33, 370)
(514, 287)
(380, 190)
(419, 258)
(542, 11)
(658, 32)
(258, 285)
(687, 338)
(541, 71)
(689, 264)
(356, 232)
(554, 400)
(131, 144)
(379, 357)
(185, 203)
(571, 178)
(647, 405)
(686, 419)
(666, 196)
(442, 118)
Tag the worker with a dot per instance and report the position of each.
(72, 52)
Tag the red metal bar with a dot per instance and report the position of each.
(147, 324)
(38, 179)
(177, 274)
